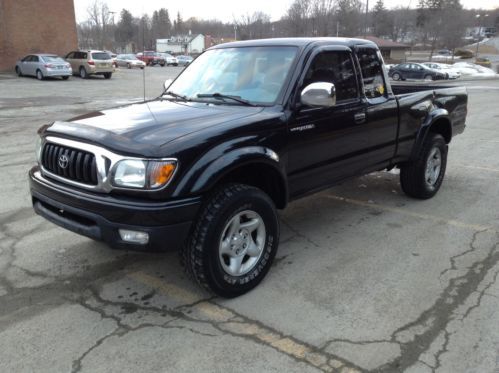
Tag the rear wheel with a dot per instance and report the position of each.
(39, 75)
(83, 73)
(396, 76)
(18, 71)
(128, 66)
(428, 77)
(423, 177)
(65, 77)
(108, 75)
(234, 240)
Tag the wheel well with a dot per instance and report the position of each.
(442, 127)
(262, 176)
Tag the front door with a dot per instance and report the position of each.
(327, 144)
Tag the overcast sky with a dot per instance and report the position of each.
(226, 10)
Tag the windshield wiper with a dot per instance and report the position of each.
(176, 95)
(222, 96)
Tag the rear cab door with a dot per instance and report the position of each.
(382, 116)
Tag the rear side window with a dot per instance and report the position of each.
(35, 59)
(334, 67)
(101, 56)
(372, 73)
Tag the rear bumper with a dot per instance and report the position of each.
(101, 217)
(58, 72)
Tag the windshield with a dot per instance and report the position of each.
(101, 56)
(256, 74)
(52, 59)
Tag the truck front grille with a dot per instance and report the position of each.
(70, 163)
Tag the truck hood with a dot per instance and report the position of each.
(143, 128)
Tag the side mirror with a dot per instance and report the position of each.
(167, 83)
(319, 94)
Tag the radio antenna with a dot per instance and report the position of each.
(143, 52)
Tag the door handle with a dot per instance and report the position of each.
(359, 118)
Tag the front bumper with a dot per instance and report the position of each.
(101, 216)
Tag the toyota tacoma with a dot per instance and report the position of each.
(247, 128)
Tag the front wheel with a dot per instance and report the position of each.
(18, 71)
(423, 177)
(234, 240)
(65, 77)
(128, 66)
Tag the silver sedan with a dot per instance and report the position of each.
(129, 61)
(43, 66)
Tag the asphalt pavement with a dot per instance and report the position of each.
(365, 279)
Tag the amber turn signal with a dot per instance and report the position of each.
(160, 173)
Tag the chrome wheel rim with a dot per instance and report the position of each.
(242, 243)
(433, 167)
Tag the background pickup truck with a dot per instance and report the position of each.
(245, 129)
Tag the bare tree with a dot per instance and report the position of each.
(253, 26)
(100, 18)
(298, 17)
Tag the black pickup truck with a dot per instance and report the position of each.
(245, 129)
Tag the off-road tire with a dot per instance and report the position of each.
(200, 254)
(412, 175)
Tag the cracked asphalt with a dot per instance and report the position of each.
(365, 280)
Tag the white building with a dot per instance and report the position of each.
(183, 44)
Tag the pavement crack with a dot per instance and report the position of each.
(453, 259)
(299, 234)
(416, 337)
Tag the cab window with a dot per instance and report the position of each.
(372, 73)
(334, 67)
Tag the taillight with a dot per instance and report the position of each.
(91, 63)
(49, 65)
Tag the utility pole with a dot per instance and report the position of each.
(235, 32)
(367, 15)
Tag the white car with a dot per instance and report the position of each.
(444, 68)
(170, 60)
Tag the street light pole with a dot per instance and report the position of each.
(235, 31)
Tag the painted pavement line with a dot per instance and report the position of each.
(437, 219)
(230, 322)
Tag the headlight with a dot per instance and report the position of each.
(143, 174)
(38, 149)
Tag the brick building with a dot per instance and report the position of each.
(32, 26)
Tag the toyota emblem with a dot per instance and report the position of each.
(63, 161)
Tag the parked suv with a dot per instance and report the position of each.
(91, 62)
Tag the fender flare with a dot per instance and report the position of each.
(436, 115)
(206, 173)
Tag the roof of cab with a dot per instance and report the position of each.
(295, 42)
